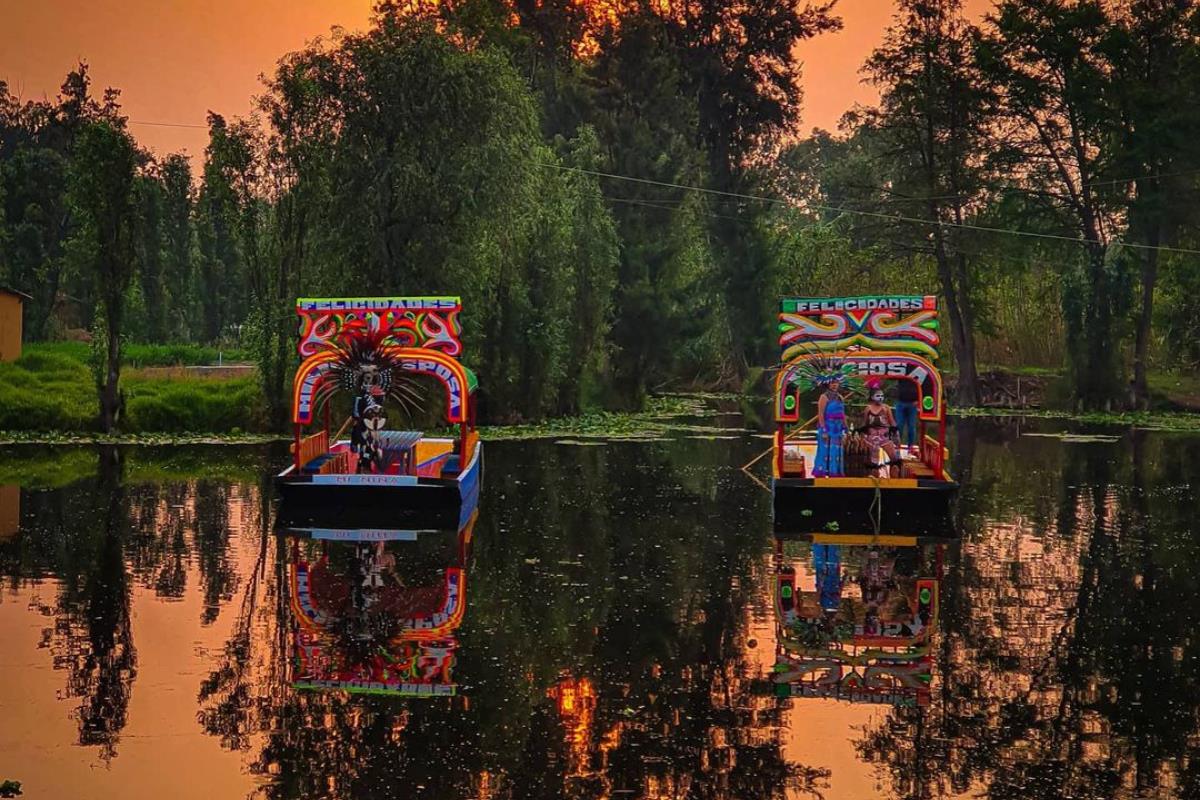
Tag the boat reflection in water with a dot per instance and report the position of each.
(855, 617)
(375, 611)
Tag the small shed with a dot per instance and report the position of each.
(12, 310)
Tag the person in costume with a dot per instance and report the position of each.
(368, 418)
(879, 428)
(831, 430)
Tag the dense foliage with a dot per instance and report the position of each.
(620, 198)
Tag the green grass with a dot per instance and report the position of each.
(144, 355)
(1175, 389)
(51, 388)
(1157, 420)
(193, 404)
(47, 389)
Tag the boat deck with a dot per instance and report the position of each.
(857, 464)
(406, 453)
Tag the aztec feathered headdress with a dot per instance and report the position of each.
(820, 369)
(366, 361)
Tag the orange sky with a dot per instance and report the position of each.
(175, 59)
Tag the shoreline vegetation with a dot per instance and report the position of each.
(680, 414)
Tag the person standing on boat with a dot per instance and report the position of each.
(366, 410)
(831, 431)
(906, 411)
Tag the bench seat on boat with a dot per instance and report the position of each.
(314, 467)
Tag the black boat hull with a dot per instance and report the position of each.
(908, 507)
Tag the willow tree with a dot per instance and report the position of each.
(149, 199)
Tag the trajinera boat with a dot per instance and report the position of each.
(376, 350)
(848, 469)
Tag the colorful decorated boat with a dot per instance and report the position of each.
(839, 468)
(855, 622)
(376, 611)
(377, 351)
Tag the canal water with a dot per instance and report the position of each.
(612, 624)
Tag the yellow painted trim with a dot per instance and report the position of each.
(863, 538)
(432, 448)
(864, 483)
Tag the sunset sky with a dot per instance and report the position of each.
(176, 59)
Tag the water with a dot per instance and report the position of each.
(619, 633)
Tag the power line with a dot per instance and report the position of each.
(166, 124)
(676, 205)
(898, 198)
(872, 214)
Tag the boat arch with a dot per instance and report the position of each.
(881, 365)
(311, 386)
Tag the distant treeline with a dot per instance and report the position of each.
(620, 198)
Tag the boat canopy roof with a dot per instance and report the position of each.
(881, 337)
(418, 334)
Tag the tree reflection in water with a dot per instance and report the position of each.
(1068, 654)
(614, 593)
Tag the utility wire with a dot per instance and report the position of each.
(676, 205)
(872, 214)
(895, 199)
(166, 124)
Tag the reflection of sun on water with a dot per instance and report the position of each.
(576, 702)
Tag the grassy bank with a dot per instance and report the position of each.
(49, 396)
(1183, 421)
(51, 389)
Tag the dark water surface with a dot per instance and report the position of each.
(619, 636)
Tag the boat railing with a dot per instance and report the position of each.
(311, 447)
(934, 454)
(337, 464)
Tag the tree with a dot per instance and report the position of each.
(176, 173)
(1044, 60)
(740, 64)
(104, 170)
(1153, 56)
(594, 253)
(666, 287)
(932, 112)
(302, 113)
(226, 219)
(149, 197)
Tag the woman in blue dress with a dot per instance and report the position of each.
(831, 431)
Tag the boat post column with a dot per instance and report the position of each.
(296, 446)
(780, 438)
(941, 453)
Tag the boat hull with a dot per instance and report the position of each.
(918, 507)
(380, 500)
